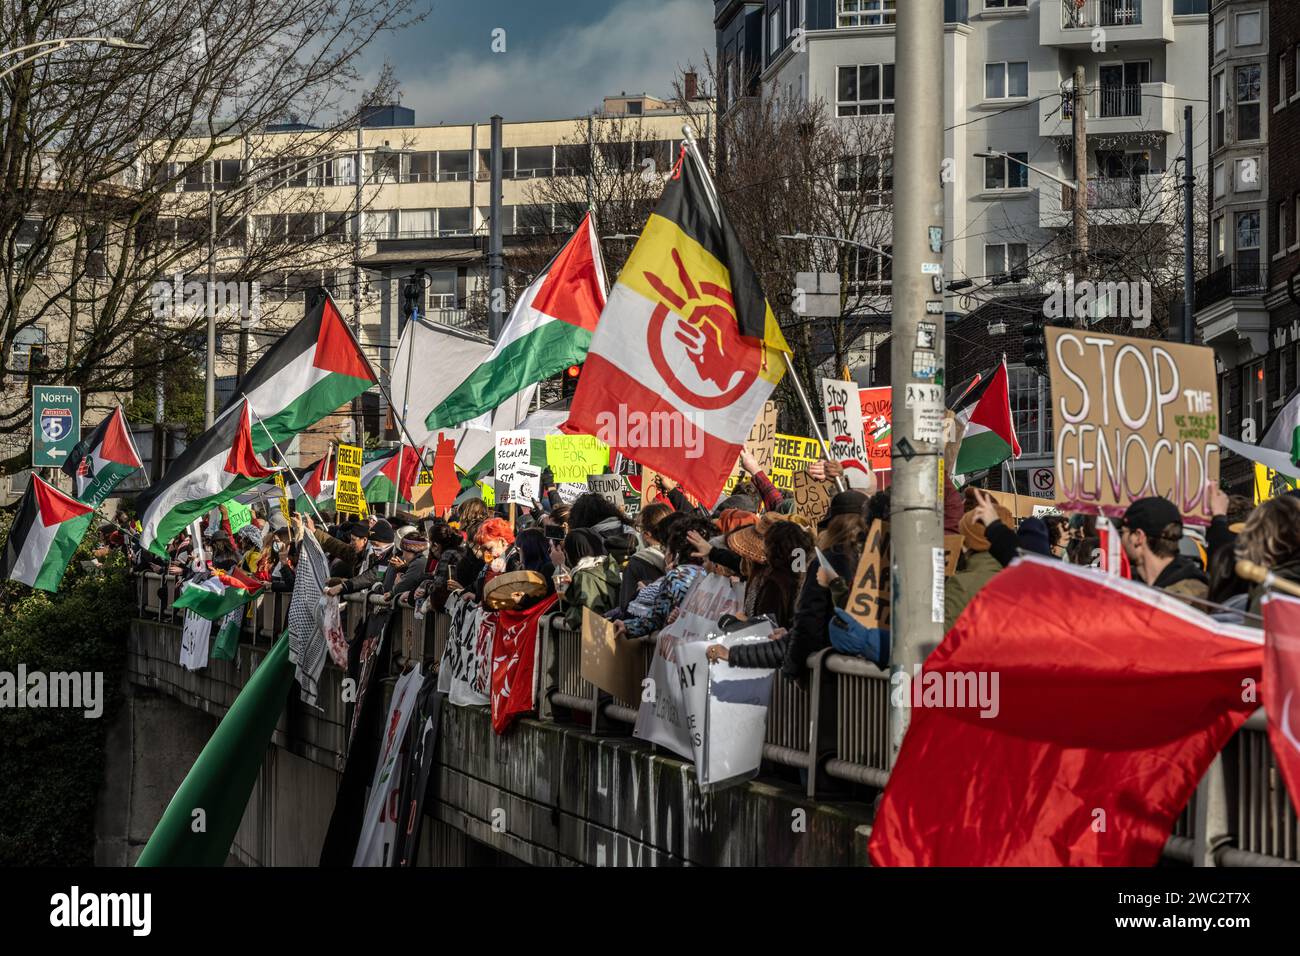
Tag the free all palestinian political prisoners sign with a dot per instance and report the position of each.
(1132, 418)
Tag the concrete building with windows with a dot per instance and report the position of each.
(1009, 72)
(422, 204)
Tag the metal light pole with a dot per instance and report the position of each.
(56, 45)
(917, 354)
(496, 258)
(1189, 203)
(1080, 175)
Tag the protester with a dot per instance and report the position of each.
(647, 563)
(842, 534)
(595, 512)
(1271, 539)
(345, 549)
(980, 564)
(493, 539)
(587, 577)
(1150, 533)
(684, 569)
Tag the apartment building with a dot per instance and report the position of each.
(1009, 68)
(422, 205)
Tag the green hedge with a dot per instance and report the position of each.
(52, 760)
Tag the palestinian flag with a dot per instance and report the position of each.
(222, 777)
(312, 370)
(218, 466)
(103, 459)
(218, 595)
(44, 535)
(1283, 433)
(317, 486)
(380, 478)
(989, 438)
(549, 329)
(687, 350)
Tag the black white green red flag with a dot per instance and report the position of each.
(218, 466)
(308, 373)
(989, 438)
(103, 459)
(45, 533)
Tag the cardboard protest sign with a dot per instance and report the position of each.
(575, 458)
(877, 420)
(760, 443)
(869, 597)
(513, 448)
(844, 431)
(348, 496)
(792, 454)
(609, 487)
(952, 545)
(1132, 418)
(812, 498)
(614, 665)
(650, 492)
(569, 492)
(1270, 483)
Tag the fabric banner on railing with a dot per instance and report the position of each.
(307, 643)
(378, 839)
(196, 634)
(467, 658)
(422, 754)
(514, 662)
(1282, 686)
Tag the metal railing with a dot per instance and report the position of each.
(838, 728)
(1100, 13)
(1230, 281)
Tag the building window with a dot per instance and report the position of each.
(1247, 175)
(774, 33)
(1246, 248)
(1248, 29)
(1006, 81)
(865, 90)
(1217, 242)
(1296, 204)
(1281, 80)
(1220, 186)
(1220, 109)
(1252, 393)
(1220, 35)
(1281, 226)
(1007, 172)
(873, 175)
(1248, 102)
(866, 13)
(1031, 410)
(1002, 258)
(454, 221)
(1004, 4)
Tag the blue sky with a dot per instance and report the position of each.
(561, 58)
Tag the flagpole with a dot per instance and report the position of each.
(283, 457)
(688, 137)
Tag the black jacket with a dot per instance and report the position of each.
(812, 615)
(620, 544)
(1179, 569)
(1003, 543)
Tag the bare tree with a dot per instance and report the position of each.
(99, 141)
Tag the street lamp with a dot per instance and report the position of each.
(210, 385)
(997, 154)
(54, 46)
(806, 237)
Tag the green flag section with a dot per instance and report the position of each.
(1283, 433)
(312, 370)
(218, 785)
(549, 329)
(989, 438)
(226, 645)
(218, 466)
(44, 535)
(218, 595)
(103, 459)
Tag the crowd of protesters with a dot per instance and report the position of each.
(637, 571)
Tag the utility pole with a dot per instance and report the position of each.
(496, 260)
(210, 375)
(591, 163)
(1189, 205)
(1080, 118)
(358, 433)
(917, 352)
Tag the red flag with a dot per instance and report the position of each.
(513, 663)
(1282, 686)
(1114, 560)
(1109, 701)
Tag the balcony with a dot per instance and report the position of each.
(1071, 24)
(1118, 201)
(1231, 314)
(1112, 110)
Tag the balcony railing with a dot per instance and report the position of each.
(1229, 282)
(1120, 100)
(838, 728)
(1100, 13)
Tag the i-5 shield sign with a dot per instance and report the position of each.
(56, 424)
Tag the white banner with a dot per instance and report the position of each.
(195, 637)
(379, 827)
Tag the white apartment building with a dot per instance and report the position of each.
(1007, 64)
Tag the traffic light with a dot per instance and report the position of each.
(569, 384)
(1035, 345)
(411, 296)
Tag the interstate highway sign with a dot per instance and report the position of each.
(56, 424)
